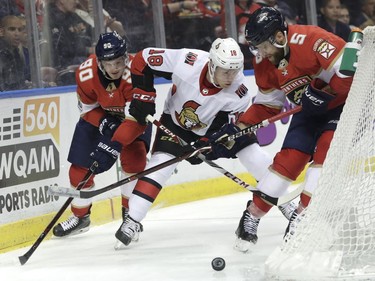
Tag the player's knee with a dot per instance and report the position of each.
(322, 147)
(290, 163)
(77, 173)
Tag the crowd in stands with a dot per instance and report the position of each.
(66, 29)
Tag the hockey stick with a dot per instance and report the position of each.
(65, 191)
(259, 125)
(272, 200)
(24, 258)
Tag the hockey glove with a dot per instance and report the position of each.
(315, 99)
(108, 125)
(222, 149)
(143, 104)
(195, 160)
(105, 154)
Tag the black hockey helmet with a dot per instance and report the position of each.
(110, 46)
(263, 24)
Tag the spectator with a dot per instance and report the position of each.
(12, 67)
(329, 19)
(69, 37)
(84, 11)
(243, 8)
(288, 12)
(211, 8)
(23, 49)
(365, 17)
(8, 7)
(191, 23)
(48, 73)
(172, 8)
(345, 16)
(39, 9)
(136, 18)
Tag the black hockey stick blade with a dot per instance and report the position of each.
(67, 191)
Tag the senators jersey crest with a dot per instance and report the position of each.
(188, 118)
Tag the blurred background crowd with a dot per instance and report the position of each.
(42, 42)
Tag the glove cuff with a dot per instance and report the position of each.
(144, 96)
(322, 89)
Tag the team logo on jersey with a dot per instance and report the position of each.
(188, 118)
(283, 67)
(294, 88)
(241, 91)
(325, 49)
(190, 58)
(110, 88)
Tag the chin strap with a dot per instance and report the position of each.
(284, 46)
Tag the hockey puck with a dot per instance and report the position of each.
(218, 264)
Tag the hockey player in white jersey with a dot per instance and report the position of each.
(208, 92)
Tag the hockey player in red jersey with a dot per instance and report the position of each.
(208, 91)
(300, 63)
(106, 127)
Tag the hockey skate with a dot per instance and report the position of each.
(288, 209)
(246, 232)
(128, 232)
(290, 229)
(72, 226)
(125, 213)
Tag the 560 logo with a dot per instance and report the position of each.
(32, 155)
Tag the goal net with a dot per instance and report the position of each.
(335, 236)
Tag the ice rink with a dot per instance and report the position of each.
(178, 243)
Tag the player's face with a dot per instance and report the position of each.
(224, 77)
(114, 68)
(270, 52)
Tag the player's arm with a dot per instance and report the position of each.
(145, 66)
(89, 108)
(88, 105)
(328, 52)
(266, 104)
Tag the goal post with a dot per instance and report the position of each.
(335, 235)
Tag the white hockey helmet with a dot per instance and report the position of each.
(225, 53)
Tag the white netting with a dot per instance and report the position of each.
(335, 238)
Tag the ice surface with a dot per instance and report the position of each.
(178, 243)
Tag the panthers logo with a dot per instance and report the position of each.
(294, 89)
(187, 118)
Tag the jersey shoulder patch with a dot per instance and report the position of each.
(324, 48)
(241, 91)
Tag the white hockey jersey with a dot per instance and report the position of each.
(192, 101)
